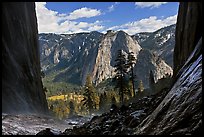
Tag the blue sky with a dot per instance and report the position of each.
(131, 17)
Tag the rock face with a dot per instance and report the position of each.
(71, 56)
(148, 61)
(187, 32)
(160, 42)
(21, 81)
(108, 47)
(180, 112)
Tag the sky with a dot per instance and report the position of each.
(131, 17)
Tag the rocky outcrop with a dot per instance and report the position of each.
(160, 42)
(188, 32)
(21, 80)
(107, 51)
(146, 62)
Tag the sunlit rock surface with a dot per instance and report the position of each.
(107, 52)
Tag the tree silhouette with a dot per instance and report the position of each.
(130, 64)
(89, 95)
(121, 70)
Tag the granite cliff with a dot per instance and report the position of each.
(72, 56)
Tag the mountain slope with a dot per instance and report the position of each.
(148, 61)
(160, 42)
(72, 56)
(108, 47)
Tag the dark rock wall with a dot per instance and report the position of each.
(188, 32)
(21, 82)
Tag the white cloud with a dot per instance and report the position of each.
(52, 22)
(112, 7)
(84, 13)
(95, 28)
(150, 24)
(149, 4)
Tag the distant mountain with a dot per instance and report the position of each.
(148, 61)
(160, 42)
(70, 57)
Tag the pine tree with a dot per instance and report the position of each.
(89, 95)
(130, 64)
(130, 89)
(121, 70)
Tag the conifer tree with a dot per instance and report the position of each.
(130, 64)
(121, 70)
(89, 95)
